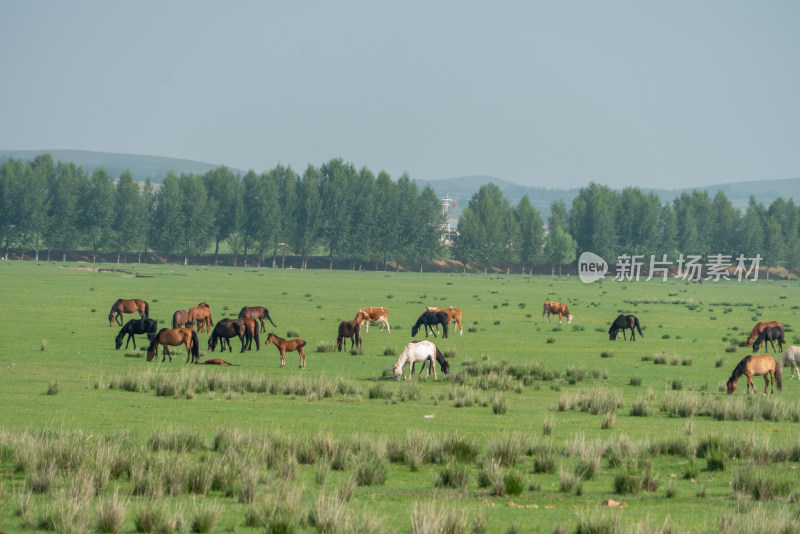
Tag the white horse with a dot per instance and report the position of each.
(792, 355)
(420, 351)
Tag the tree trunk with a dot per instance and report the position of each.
(216, 254)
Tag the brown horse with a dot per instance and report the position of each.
(751, 366)
(290, 345)
(621, 323)
(453, 313)
(349, 330)
(216, 361)
(373, 314)
(180, 318)
(175, 337)
(253, 331)
(227, 329)
(257, 312)
(122, 306)
(758, 328)
(201, 315)
(556, 308)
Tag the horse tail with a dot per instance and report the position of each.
(443, 363)
(639, 328)
(358, 334)
(266, 314)
(175, 320)
(195, 346)
(301, 345)
(778, 377)
(147, 309)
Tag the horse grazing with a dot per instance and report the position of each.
(429, 319)
(758, 328)
(792, 355)
(290, 345)
(216, 361)
(201, 315)
(257, 312)
(173, 337)
(621, 323)
(349, 330)
(453, 313)
(771, 334)
(751, 366)
(122, 306)
(373, 315)
(137, 326)
(420, 351)
(556, 308)
(227, 329)
(180, 318)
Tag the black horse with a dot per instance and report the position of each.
(429, 319)
(226, 329)
(348, 330)
(137, 326)
(622, 322)
(771, 334)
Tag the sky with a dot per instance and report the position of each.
(551, 94)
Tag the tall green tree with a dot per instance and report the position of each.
(98, 203)
(386, 228)
(561, 248)
(62, 208)
(168, 230)
(148, 203)
(287, 198)
(198, 233)
(337, 230)
(592, 221)
(752, 231)
(488, 229)
(531, 233)
(129, 216)
(307, 214)
(11, 173)
(221, 188)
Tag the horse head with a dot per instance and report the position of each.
(731, 386)
(398, 371)
(119, 339)
(612, 335)
(212, 343)
(414, 330)
(569, 319)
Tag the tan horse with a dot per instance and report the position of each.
(758, 328)
(373, 314)
(556, 308)
(453, 313)
(201, 315)
(763, 365)
(290, 345)
(122, 306)
(167, 337)
(792, 355)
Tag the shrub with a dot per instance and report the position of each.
(454, 476)
(205, 516)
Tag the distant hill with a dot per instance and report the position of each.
(459, 189)
(142, 167)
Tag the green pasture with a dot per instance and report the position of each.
(547, 391)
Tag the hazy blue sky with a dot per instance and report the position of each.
(558, 93)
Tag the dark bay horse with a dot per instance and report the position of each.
(137, 326)
(758, 328)
(173, 337)
(257, 312)
(621, 323)
(253, 331)
(180, 318)
(122, 306)
(201, 315)
(751, 366)
(227, 329)
(349, 330)
(429, 319)
(771, 334)
(288, 344)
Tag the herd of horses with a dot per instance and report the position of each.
(250, 323)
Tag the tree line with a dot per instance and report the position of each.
(351, 215)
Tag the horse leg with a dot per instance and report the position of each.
(766, 383)
(302, 354)
(118, 318)
(283, 358)
(261, 319)
(750, 384)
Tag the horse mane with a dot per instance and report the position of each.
(740, 368)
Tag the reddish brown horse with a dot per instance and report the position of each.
(180, 318)
(122, 306)
(758, 328)
(201, 315)
(167, 337)
(288, 344)
(763, 365)
(349, 330)
(225, 330)
(556, 308)
(257, 312)
(216, 361)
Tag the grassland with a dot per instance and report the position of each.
(537, 424)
